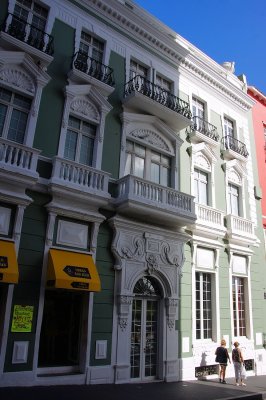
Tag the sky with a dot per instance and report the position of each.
(225, 30)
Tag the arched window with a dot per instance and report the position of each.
(147, 286)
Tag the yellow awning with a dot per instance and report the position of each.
(8, 262)
(70, 270)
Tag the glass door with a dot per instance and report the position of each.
(144, 339)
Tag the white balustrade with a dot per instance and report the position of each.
(149, 193)
(209, 216)
(79, 176)
(17, 156)
(241, 225)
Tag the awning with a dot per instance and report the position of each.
(8, 262)
(70, 270)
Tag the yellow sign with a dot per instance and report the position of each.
(22, 318)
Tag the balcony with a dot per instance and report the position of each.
(79, 182)
(18, 34)
(18, 165)
(233, 148)
(209, 220)
(87, 69)
(202, 131)
(151, 202)
(240, 230)
(144, 96)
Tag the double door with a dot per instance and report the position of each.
(144, 339)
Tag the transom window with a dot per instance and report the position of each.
(233, 199)
(239, 306)
(80, 141)
(163, 83)
(201, 186)
(197, 108)
(147, 164)
(228, 127)
(137, 69)
(14, 112)
(91, 46)
(203, 306)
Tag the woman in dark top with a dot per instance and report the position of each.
(221, 357)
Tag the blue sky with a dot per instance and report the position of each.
(226, 30)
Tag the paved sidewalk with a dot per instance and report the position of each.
(192, 390)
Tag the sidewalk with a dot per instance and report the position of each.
(192, 390)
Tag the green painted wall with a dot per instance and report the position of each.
(112, 135)
(52, 102)
(102, 323)
(30, 260)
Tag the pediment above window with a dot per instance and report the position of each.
(203, 162)
(87, 100)
(235, 171)
(84, 107)
(18, 71)
(204, 150)
(150, 131)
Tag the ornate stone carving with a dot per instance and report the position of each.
(170, 323)
(135, 252)
(83, 106)
(152, 263)
(17, 77)
(122, 323)
(203, 162)
(151, 137)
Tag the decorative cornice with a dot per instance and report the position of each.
(159, 37)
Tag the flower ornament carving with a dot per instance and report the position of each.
(17, 78)
(170, 323)
(151, 137)
(83, 106)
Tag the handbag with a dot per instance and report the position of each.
(243, 372)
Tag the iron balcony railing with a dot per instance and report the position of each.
(230, 143)
(142, 85)
(204, 127)
(28, 33)
(94, 68)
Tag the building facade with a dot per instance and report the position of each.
(130, 234)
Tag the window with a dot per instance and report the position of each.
(79, 141)
(203, 306)
(201, 186)
(33, 14)
(239, 306)
(137, 69)
(197, 108)
(163, 83)
(91, 46)
(14, 112)
(228, 127)
(233, 199)
(148, 164)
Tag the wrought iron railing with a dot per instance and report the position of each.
(94, 68)
(230, 143)
(204, 127)
(142, 85)
(28, 33)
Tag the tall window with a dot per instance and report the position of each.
(163, 83)
(14, 111)
(201, 186)
(228, 127)
(91, 46)
(79, 141)
(198, 108)
(148, 164)
(203, 306)
(239, 306)
(137, 69)
(35, 15)
(233, 197)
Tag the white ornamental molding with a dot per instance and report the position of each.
(85, 107)
(135, 251)
(18, 78)
(124, 307)
(151, 138)
(203, 162)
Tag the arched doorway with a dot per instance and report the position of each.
(145, 329)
